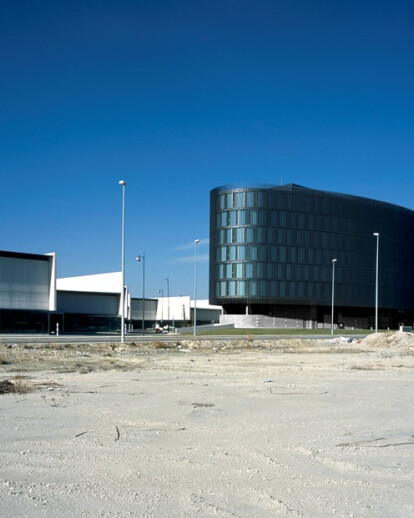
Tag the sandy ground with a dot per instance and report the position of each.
(248, 429)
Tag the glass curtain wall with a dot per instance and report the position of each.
(275, 245)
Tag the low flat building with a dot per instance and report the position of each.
(33, 300)
(92, 303)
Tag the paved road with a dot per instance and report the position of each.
(136, 337)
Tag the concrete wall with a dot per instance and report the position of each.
(261, 321)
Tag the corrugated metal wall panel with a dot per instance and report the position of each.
(150, 309)
(24, 283)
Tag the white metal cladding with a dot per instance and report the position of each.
(176, 308)
(96, 283)
(25, 283)
(88, 303)
(52, 276)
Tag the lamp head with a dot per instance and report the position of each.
(376, 234)
(334, 260)
(196, 241)
(122, 182)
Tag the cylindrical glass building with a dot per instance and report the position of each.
(271, 252)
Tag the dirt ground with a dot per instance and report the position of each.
(254, 428)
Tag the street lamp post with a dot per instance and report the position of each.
(377, 235)
(142, 258)
(333, 295)
(168, 300)
(196, 241)
(123, 183)
(162, 304)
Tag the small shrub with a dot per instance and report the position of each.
(53, 346)
(366, 367)
(13, 387)
(161, 345)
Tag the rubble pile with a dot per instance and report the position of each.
(397, 339)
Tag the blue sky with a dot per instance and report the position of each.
(179, 97)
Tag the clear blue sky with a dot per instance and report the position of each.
(179, 97)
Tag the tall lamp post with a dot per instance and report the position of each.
(123, 183)
(377, 235)
(333, 295)
(168, 300)
(196, 241)
(162, 304)
(142, 258)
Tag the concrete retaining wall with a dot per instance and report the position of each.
(262, 321)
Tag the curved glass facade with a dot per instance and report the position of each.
(273, 247)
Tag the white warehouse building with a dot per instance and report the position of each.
(32, 299)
